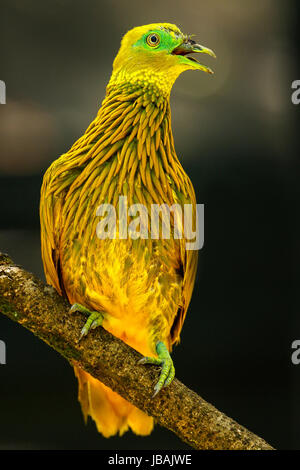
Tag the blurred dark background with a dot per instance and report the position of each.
(236, 135)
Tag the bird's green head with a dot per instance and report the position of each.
(154, 55)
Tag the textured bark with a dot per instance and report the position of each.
(39, 308)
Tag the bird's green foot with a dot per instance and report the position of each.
(164, 359)
(94, 319)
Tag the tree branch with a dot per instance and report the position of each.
(39, 308)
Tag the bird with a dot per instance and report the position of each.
(136, 287)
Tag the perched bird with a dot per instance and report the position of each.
(137, 288)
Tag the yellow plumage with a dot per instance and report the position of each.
(143, 287)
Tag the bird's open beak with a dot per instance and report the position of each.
(188, 47)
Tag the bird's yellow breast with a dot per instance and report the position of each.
(126, 279)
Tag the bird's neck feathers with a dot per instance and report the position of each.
(148, 80)
(131, 141)
(130, 115)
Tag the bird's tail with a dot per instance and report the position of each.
(111, 413)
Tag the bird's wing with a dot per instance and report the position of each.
(189, 262)
(50, 213)
(56, 183)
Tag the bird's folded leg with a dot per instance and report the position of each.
(94, 319)
(164, 359)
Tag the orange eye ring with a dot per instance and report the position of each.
(153, 40)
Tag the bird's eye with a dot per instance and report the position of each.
(153, 40)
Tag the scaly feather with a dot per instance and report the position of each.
(141, 286)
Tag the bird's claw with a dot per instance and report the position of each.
(166, 376)
(164, 360)
(95, 319)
